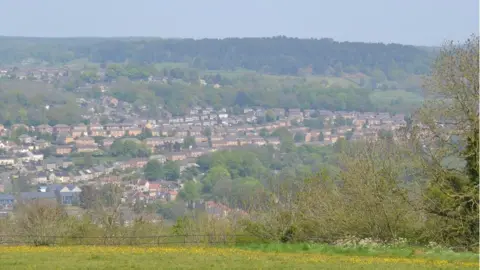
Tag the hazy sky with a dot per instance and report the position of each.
(418, 22)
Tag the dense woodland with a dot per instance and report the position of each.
(277, 55)
(26, 102)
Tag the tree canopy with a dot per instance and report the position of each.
(274, 55)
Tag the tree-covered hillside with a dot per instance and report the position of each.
(277, 55)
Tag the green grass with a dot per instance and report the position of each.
(83, 257)
(399, 252)
(385, 97)
(96, 160)
(332, 81)
(396, 100)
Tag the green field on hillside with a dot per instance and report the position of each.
(90, 257)
(396, 100)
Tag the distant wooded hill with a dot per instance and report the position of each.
(276, 55)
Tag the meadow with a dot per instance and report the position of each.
(194, 257)
(396, 100)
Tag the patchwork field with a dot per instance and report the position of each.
(84, 257)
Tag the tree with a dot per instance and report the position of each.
(321, 137)
(299, 137)
(263, 133)
(40, 219)
(188, 142)
(190, 191)
(286, 139)
(190, 173)
(207, 132)
(17, 132)
(379, 75)
(340, 145)
(117, 148)
(317, 123)
(294, 123)
(177, 146)
(204, 162)
(154, 170)
(171, 170)
(348, 135)
(215, 174)
(20, 184)
(107, 212)
(88, 160)
(244, 190)
(90, 76)
(340, 121)
(110, 196)
(222, 190)
(139, 206)
(88, 197)
(309, 56)
(270, 116)
(170, 210)
(129, 147)
(450, 129)
(146, 133)
(385, 134)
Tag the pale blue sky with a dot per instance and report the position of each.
(418, 22)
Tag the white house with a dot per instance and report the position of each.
(143, 186)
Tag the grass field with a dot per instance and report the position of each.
(385, 97)
(83, 257)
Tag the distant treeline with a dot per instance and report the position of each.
(276, 55)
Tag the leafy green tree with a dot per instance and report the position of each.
(222, 190)
(190, 191)
(263, 133)
(340, 145)
(20, 184)
(17, 132)
(190, 173)
(128, 147)
(450, 123)
(146, 133)
(177, 146)
(90, 76)
(299, 137)
(244, 190)
(295, 123)
(207, 132)
(154, 170)
(164, 210)
(204, 162)
(214, 175)
(321, 56)
(270, 116)
(317, 123)
(171, 170)
(378, 75)
(286, 139)
(340, 121)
